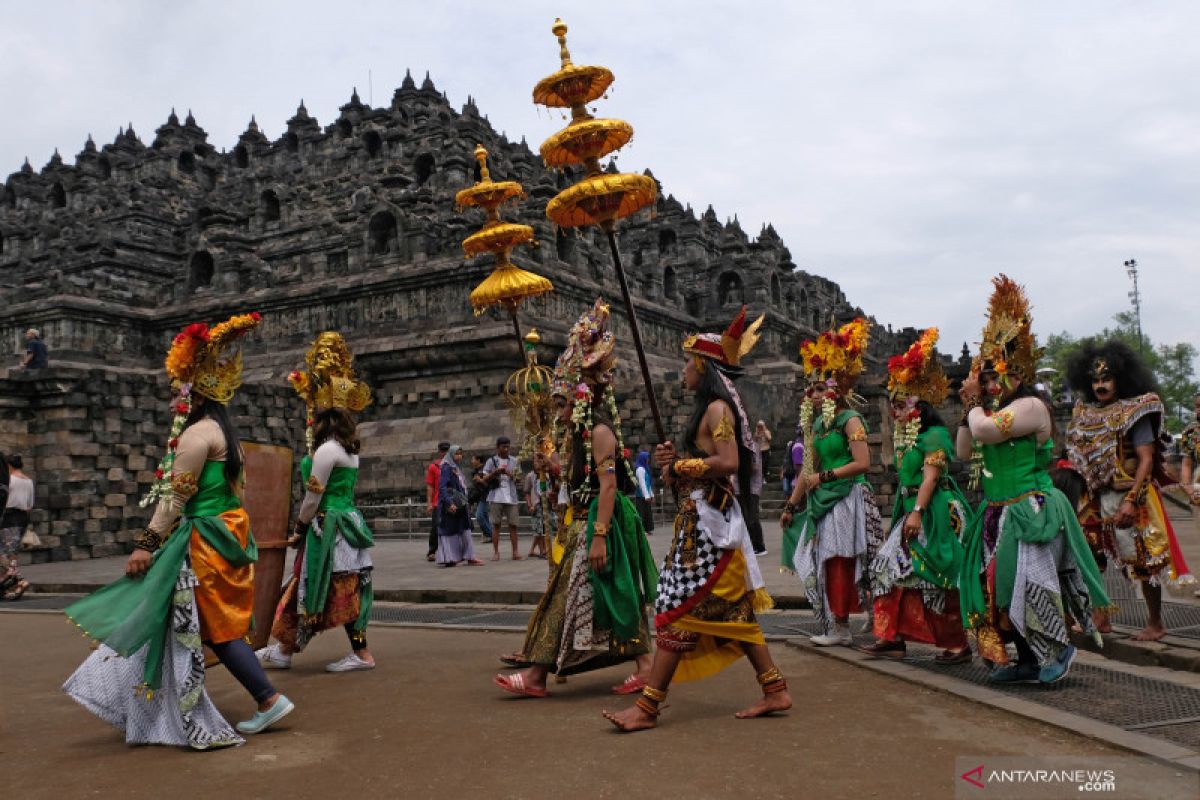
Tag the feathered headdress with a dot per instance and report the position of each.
(205, 361)
(837, 354)
(1008, 346)
(329, 381)
(918, 373)
(730, 347)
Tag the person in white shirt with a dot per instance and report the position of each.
(16, 498)
(501, 473)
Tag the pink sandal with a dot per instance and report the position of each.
(631, 685)
(515, 683)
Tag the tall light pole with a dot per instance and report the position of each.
(1135, 297)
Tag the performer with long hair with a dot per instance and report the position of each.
(190, 579)
(331, 585)
(1113, 441)
(593, 613)
(710, 586)
(831, 539)
(1026, 563)
(914, 576)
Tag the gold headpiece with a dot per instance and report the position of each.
(1100, 369)
(589, 358)
(1008, 346)
(330, 381)
(207, 359)
(917, 373)
(837, 354)
(731, 346)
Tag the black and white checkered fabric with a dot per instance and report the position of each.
(678, 581)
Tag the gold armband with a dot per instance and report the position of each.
(937, 458)
(600, 530)
(689, 468)
(858, 436)
(314, 485)
(1004, 420)
(184, 484)
(608, 465)
(1138, 497)
(724, 430)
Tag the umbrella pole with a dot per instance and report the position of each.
(517, 329)
(610, 229)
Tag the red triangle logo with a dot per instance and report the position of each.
(977, 779)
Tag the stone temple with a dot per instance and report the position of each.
(349, 226)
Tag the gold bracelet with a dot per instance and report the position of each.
(600, 530)
(689, 468)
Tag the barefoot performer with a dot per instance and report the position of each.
(1113, 442)
(331, 582)
(190, 579)
(710, 586)
(593, 613)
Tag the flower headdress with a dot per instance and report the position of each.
(330, 381)
(835, 358)
(914, 376)
(726, 353)
(587, 364)
(918, 373)
(205, 361)
(1008, 346)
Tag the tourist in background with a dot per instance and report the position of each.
(644, 498)
(454, 513)
(540, 492)
(37, 356)
(762, 437)
(501, 473)
(432, 481)
(16, 498)
(477, 493)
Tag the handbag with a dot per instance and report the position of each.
(29, 539)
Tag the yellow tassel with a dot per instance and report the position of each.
(761, 600)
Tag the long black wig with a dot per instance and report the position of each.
(1127, 368)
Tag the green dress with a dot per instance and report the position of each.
(319, 596)
(1026, 556)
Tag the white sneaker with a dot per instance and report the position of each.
(840, 635)
(272, 657)
(349, 664)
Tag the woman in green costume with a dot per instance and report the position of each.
(829, 542)
(190, 580)
(593, 613)
(331, 583)
(1026, 563)
(914, 576)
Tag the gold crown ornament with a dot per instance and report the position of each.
(329, 381)
(205, 361)
(1008, 346)
(588, 359)
(730, 347)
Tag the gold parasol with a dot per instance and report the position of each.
(600, 198)
(508, 284)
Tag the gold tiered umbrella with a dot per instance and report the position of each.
(527, 395)
(600, 198)
(508, 284)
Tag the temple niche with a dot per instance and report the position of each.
(348, 225)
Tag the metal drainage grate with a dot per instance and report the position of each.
(442, 615)
(1181, 619)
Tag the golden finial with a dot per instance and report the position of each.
(560, 30)
(532, 337)
(481, 155)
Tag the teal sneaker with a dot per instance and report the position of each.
(1056, 670)
(262, 719)
(1014, 673)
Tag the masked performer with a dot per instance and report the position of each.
(190, 579)
(593, 613)
(1026, 563)
(710, 586)
(830, 542)
(1113, 442)
(914, 575)
(331, 582)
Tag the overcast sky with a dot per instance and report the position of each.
(907, 150)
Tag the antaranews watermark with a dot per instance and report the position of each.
(1065, 777)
